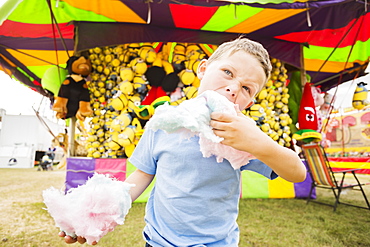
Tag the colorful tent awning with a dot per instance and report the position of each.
(334, 34)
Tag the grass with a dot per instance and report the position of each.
(263, 222)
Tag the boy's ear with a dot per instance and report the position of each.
(201, 68)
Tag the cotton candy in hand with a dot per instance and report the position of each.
(192, 117)
(90, 210)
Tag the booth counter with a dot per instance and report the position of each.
(345, 163)
(253, 185)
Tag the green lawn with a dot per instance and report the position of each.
(263, 222)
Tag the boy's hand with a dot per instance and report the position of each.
(70, 240)
(239, 132)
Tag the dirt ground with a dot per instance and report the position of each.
(19, 188)
(21, 202)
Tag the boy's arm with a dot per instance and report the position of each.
(141, 181)
(283, 161)
(241, 132)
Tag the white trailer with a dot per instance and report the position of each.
(21, 136)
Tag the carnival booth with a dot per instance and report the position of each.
(126, 85)
(79, 170)
(144, 55)
(348, 135)
(128, 82)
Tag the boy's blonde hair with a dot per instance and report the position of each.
(247, 45)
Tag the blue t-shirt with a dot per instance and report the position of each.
(195, 200)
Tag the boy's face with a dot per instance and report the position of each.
(238, 77)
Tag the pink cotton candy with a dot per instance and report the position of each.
(91, 210)
(236, 157)
(192, 117)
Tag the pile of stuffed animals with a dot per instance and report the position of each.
(127, 83)
(271, 110)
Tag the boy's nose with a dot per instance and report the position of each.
(232, 90)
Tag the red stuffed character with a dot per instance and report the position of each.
(307, 117)
(73, 97)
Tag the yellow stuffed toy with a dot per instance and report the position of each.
(359, 100)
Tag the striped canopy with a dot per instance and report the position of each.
(328, 38)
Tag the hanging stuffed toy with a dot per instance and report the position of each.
(328, 104)
(61, 140)
(73, 97)
(359, 100)
(318, 101)
(307, 118)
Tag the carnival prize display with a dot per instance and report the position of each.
(130, 81)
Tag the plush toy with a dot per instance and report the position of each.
(179, 57)
(319, 101)
(317, 96)
(307, 118)
(188, 93)
(147, 53)
(162, 79)
(359, 100)
(120, 100)
(257, 113)
(326, 107)
(145, 112)
(73, 97)
(61, 140)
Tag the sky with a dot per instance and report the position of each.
(345, 91)
(16, 98)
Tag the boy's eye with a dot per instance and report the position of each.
(228, 72)
(246, 88)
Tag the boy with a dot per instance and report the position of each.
(195, 200)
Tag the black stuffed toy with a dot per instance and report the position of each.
(73, 97)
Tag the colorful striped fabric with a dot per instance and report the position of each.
(318, 165)
(335, 33)
(347, 163)
(253, 185)
(80, 169)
